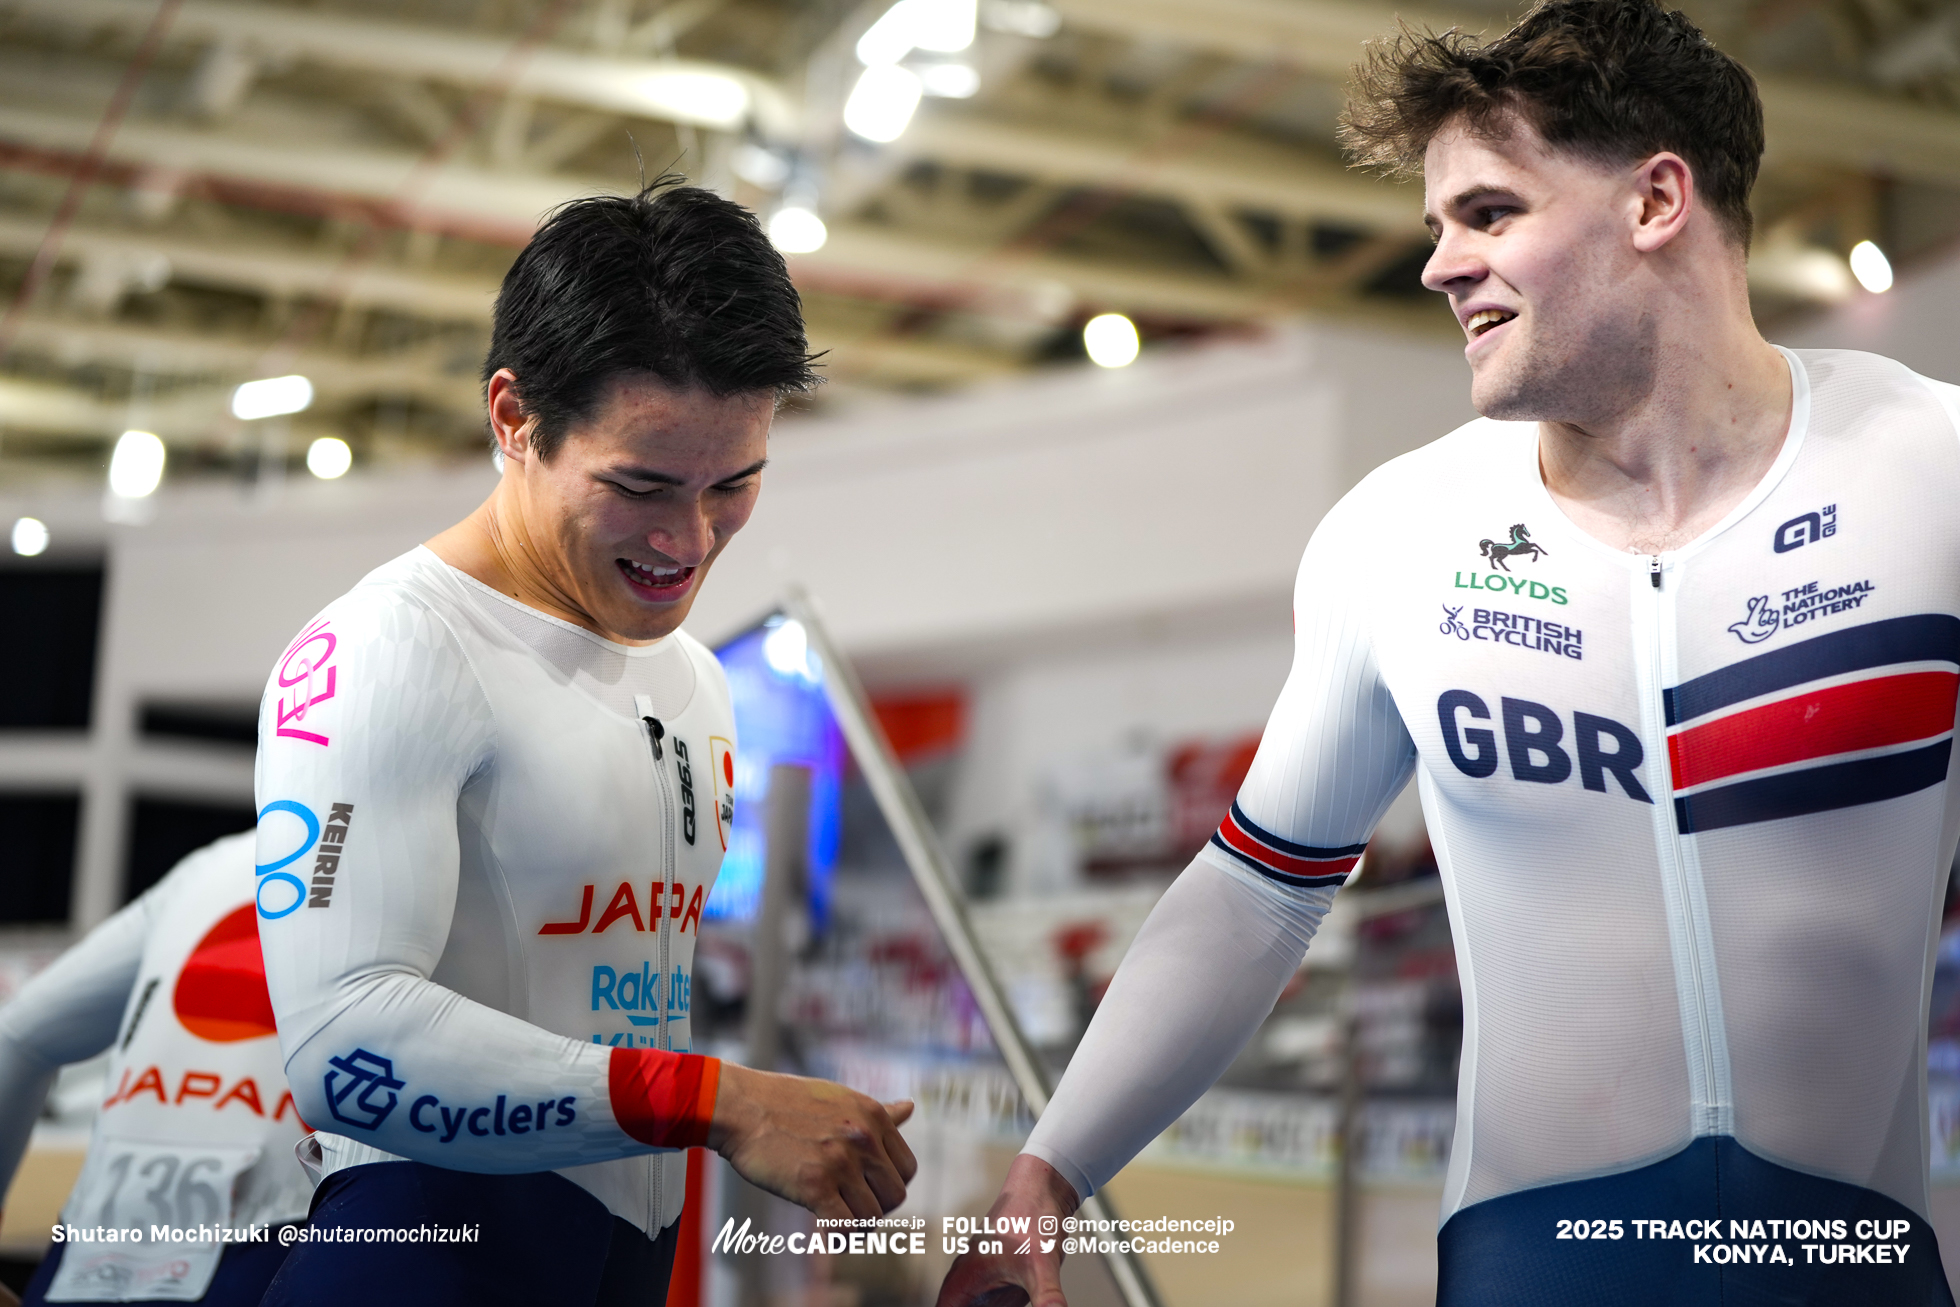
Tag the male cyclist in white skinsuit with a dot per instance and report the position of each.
(488, 780)
(1670, 640)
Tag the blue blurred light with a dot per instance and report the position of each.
(781, 715)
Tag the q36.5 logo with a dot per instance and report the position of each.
(361, 1089)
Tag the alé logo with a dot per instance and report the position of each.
(1499, 577)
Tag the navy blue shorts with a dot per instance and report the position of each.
(1507, 1252)
(542, 1240)
(243, 1273)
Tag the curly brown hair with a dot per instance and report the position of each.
(1611, 80)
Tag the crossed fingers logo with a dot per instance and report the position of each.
(361, 1089)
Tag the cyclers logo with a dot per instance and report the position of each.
(356, 1086)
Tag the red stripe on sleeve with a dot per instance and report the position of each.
(1229, 831)
(663, 1099)
(1863, 715)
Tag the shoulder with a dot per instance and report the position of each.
(1430, 483)
(224, 864)
(1851, 392)
(385, 655)
(1440, 470)
(402, 608)
(709, 678)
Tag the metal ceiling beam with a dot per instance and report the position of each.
(500, 207)
(676, 90)
(336, 378)
(870, 262)
(1218, 170)
(1807, 121)
(275, 273)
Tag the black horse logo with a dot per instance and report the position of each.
(1520, 546)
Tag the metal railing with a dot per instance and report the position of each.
(933, 871)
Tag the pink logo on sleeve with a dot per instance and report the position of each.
(308, 673)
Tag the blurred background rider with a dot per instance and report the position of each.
(198, 1128)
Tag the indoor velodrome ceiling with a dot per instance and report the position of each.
(196, 193)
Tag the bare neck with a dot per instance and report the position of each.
(493, 545)
(1672, 464)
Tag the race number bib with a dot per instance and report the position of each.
(151, 1189)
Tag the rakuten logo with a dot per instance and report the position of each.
(637, 991)
(428, 1115)
(1533, 744)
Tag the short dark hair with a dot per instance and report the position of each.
(1612, 80)
(674, 282)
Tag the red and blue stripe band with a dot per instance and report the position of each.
(1283, 860)
(1796, 755)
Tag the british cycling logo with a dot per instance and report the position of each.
(1805, 528)
(1515, 629)
(355, 1087)
(1806, 603)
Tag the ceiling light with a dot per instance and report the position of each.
(793, 229)
(760, 166)
(787, 651)
(136, 468)
(882, 102)
(272, 397)
(30, 537)
(329, 457)
(949, 81)
(1021, 17)
(944, 26)
(941, 26)
(1870, 266)
(690, 95)
(1111, 340)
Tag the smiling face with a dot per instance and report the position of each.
(1540, 253)
(618, 529)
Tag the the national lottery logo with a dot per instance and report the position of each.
(361, 1089)
(1770, 613)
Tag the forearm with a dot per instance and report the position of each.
(24, 1082)
(416, 1070)
(68, 1012)
(1204, 972)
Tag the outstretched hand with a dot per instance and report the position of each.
(1033, 1190)
(818, 1144)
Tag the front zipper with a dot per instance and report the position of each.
(1712, 1111)
(663, 1037)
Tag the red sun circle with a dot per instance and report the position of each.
(220, 994)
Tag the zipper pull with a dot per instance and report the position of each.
(1654, 572)
(656, 732)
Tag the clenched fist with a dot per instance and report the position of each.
(818, 1144)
